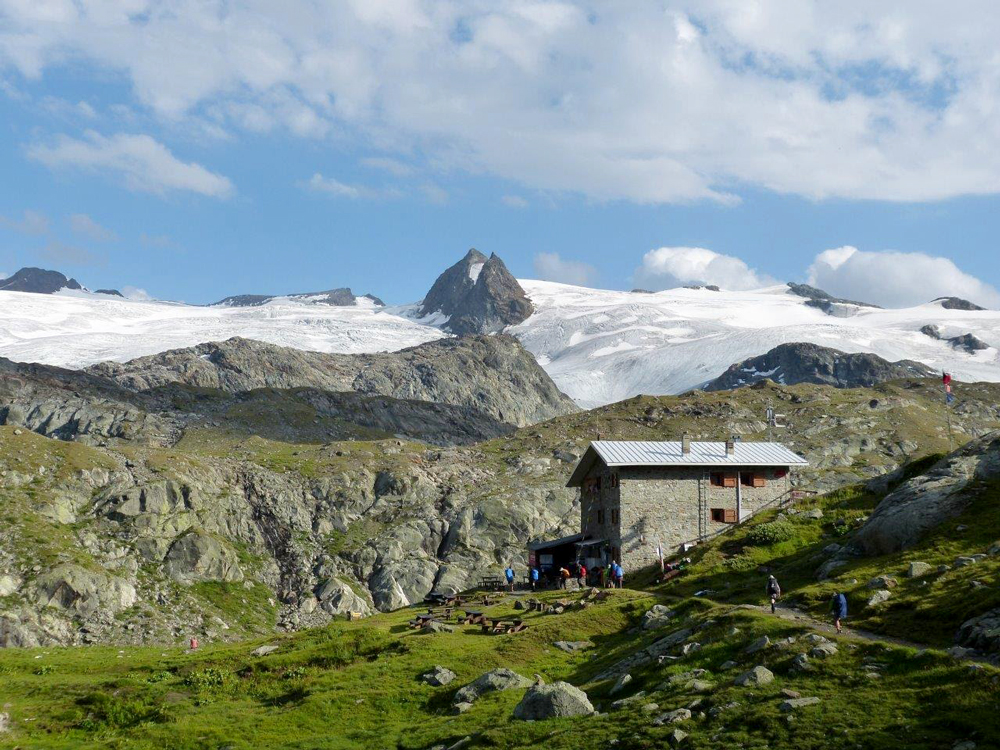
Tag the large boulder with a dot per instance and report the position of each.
(928, 500)
(336, 597)
(197, 556)
(492, 681)
(439, 676)
(981, 633)
(84, 592)
(759, 675)
(552, 701)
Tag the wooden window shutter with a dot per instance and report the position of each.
(729, 516)
(729, 480)
(758, 480)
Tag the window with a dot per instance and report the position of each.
(614, 515)
(614, 480)
(722, 479)
(780, 473)
(752, 479)
(723, 515)
(600, 517)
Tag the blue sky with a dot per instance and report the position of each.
(195, 150)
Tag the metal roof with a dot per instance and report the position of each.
(668, 453)
(535, 546)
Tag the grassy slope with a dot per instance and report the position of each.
(355, 685)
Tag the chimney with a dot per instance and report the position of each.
(685, 444)
(731, 447)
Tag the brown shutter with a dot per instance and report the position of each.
(729, 480)
(729, 516)
(758, 480)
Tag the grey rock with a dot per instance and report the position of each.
(342, 297)
(918, 569)
(879, 597)
(675, 737)
(436, 626)
(571, 647)
(625, 702)
(676, 716)
(657, 617)
(759, 675)
(882, 582)
(758, 645)
(823, 650)
(265, 650)
(792, 704)
(957, 303)
(494, 680)
(554, 700)
(815, 513)
(197, 556)
(438, 676)
(620, 684)
(801, 663)
(981, 633)
(460, 708)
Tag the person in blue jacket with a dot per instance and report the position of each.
(509, 573)
(838, 606)
(534, 578)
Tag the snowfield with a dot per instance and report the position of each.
(599, 346)
(603, 346)
(76, 329)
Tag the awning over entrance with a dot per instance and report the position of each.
(536, 546)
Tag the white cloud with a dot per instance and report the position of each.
(671, 267)
(649, 102)
(514, 201)
(31, 222)
(394, 167)
(136, 293)
(83, 224)
(145, 164)
(332, 186)
(551, 267)
(895, 279)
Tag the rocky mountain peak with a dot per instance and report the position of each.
(957, 303)
(38, 281)
(810, 363)
(340, 297)
(479, 295)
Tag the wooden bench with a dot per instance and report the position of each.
(472, 617)
(499, 627)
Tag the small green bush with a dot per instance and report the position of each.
(767, 534)
(112, 712)
(741, 563)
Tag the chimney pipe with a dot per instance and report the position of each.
(685, 444)
(730, 447)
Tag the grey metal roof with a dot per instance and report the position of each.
(668, 453)
(555, 542)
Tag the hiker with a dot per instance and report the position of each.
(534, 578)
(619, 573)
(509, 573)
(602, 573)
(563, 577)
(581, 575)
(838, 606)
(773, 591)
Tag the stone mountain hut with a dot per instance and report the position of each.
(637, 496)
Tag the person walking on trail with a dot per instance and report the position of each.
(581, 575)
(619, 573)
(563, 577)
(509, 573)
(838, 606)
(534, 578)
(773, 591)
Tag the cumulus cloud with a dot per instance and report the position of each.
(334, 187)
(552, 267)
(32, 223)
(142, 162)
(649, 102)
(84, 225)
(895, 279)
(671, 267)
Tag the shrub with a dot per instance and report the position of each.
(110, 711)
(766, 534)
(741, 563)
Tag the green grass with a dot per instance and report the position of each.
(356, 685)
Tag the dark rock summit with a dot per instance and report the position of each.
(967, 342)
(836, 306)
(109, 292)
(957, 303)
(39, 281)
(493, 374)
(810, 363)
(342, 297)
(478, 295)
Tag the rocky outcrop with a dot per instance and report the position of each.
(836, 306)
(37, 280)
(109, 292)
(967, 342)
(477, 295)
(197, 556)
(493, 681)
(341, 297)
(810, 363)
(981, 633)
(957, 303)
(493, 374)
(924, 502)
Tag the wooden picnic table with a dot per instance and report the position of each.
(472, 617)
(498, 627)
(492, 582)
